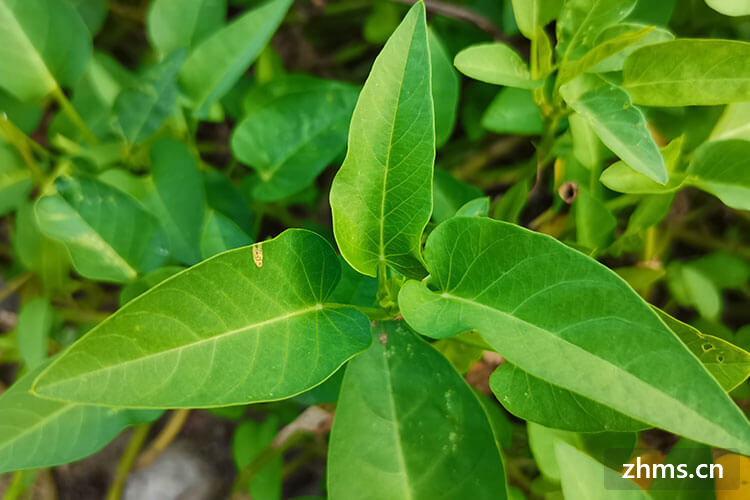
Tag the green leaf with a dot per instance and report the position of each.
(354, 288)
(621, 177)
(174, 24)
(45, 45)
(733, 123)
(691, 287)
(495, 63)
(723, 169)
(689, 73)
(616, 61)
(291, 139)
(408, 426)
(730, 7)
(258, 333)
(460, 354)
(512, 202)
(729, 364)
(450, 194)
(570, 321)
(221, 234)
(37, 432)
(381, 198)
(536, 400)
(92, 12)
(724, 269)
(144, 283)
(215, 65)
(180, 206)
(685, 456)
(41, 255)
(513, 111)
(445, 89)
(479, 207)
(581, 21)
(15, 179)
(620, 125)
(582, 478)
(140, 111)
(587, 147)
(108, 235)
(34, 326)
(595, 224)
(225, 197)
(248, 441)
(532, 14)
(600, 53)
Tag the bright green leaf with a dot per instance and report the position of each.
(723, 169)
(620, 125)
(215, 65)
(175, 24)
(495, 63)
(381, 197)
(251, 321)
(408, 427)
(730, 7)
(622, 178)
(532, 14)
(734, 123)
(45, 45)
(729, 364)
(566, 319)
(616, 61)
(108, 235)
(479, 207)
(689, 72)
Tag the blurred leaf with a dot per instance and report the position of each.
(724, 269)
(15, 179)
(45, 45)
(461, 355)
(381, 195)
(37, 432)
(179, 206)
(689, 73)
(445, 89)
(683, 457)
(175, 24)
(141, 110)
(595, 224)
(734, 123)
(249, 440)
(42, 255)
(616, 61)
(621, 177)
(34, 326)
(108, 235)
(512, 202)
(531, 14)
(479, 207)
(495, 63)
(450, 194)
(92, 12)
(580, 22)
(293, 137)
(721, 168)
(221, 234)
(402, 405)
(730, 7)
(215, 65)
(587, 147)
(581, 477)
(240, 321)
(513, 111)
(690, 287)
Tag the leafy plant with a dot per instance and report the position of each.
(500, 325)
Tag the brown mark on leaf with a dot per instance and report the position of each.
(568, 192)
(258, 254)
(383, 338)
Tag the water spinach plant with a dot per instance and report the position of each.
(431, 279)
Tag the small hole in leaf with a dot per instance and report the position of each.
(707, 347)
(720, 359)
(568, 192)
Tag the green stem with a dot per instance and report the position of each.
(73, 115)
(126, 461)
(16, 487)
(23, 145)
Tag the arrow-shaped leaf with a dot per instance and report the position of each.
(248, 325)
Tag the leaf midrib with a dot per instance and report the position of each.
(214, 338)
(676, 402)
